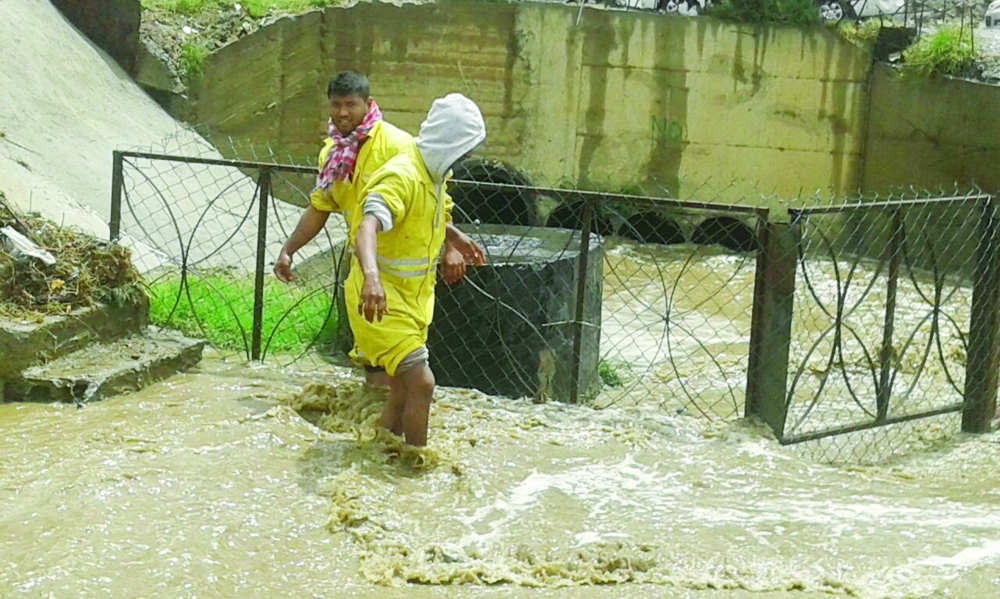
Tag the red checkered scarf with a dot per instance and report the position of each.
(343, 155)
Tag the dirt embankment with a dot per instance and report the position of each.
(182, 41)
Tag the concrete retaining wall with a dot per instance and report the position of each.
(620, 99)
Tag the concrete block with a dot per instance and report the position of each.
(25, 344)
(508, 328)
(106, 369)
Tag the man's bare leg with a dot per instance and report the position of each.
(377, 378)
(392, 414)
(418, 386)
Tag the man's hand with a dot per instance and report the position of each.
(372, 304)
(283, 267)
(471, 251)
(309, 226)
(452, 265)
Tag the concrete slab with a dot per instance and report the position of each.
(106, 369)
(24, 344)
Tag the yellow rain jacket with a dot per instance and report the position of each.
(384, 141)
(413, 186)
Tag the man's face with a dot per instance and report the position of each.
(347, 112)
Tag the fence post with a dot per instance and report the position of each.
(117, 182)
(771, 323)
(581, 292)
(885, 355)
(264, 182)
(983, 362)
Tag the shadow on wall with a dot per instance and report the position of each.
(113, 25)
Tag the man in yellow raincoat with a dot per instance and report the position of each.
(359, 142)
(398, 237)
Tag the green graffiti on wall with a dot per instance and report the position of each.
(665, 131)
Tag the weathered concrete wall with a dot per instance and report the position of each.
(682, 101)
(617, 100)
(931, 133)
(113, 25)
(271, 87)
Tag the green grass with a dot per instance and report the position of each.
(613, 375)
(192, 62)
(950, 51)
(864, 35)
(255, 8)
(224, 304)
(777, 12)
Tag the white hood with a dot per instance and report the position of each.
(453, 128)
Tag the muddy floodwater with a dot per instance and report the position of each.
(260, 482)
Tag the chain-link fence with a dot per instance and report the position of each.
(654, 305)
(882, 313)
(823, 320)
(872, 322)
(205, 232)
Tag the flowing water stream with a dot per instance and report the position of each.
(244, 481)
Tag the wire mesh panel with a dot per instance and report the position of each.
(882, 313)
(678, 291)
(657, 309)
(825, 321)
(205, 232)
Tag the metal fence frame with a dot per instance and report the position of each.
(768, 395)
(773, 294)
(264, 169)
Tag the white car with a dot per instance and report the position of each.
(993, 14)
(834, 11)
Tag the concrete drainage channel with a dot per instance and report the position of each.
(89, 355)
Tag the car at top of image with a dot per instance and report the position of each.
(834, 11)
(992, 18)
(831, 11)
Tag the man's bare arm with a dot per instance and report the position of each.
(458, 240)
(311, 223)
(372, 304)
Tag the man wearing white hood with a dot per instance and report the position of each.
(398, 236)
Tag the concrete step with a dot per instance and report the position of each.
(24, 344)
(106, 369)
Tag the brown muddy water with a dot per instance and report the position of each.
(676, 328)
(260, 482)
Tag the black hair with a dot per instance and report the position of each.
(348, 83)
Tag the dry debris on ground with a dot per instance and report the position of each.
(86, 270)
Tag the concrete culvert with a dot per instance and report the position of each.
(487, 205)
(649, 227)
(728, 232)
(570, 216)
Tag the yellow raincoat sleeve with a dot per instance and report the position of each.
(324, 201)
(395, 189)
